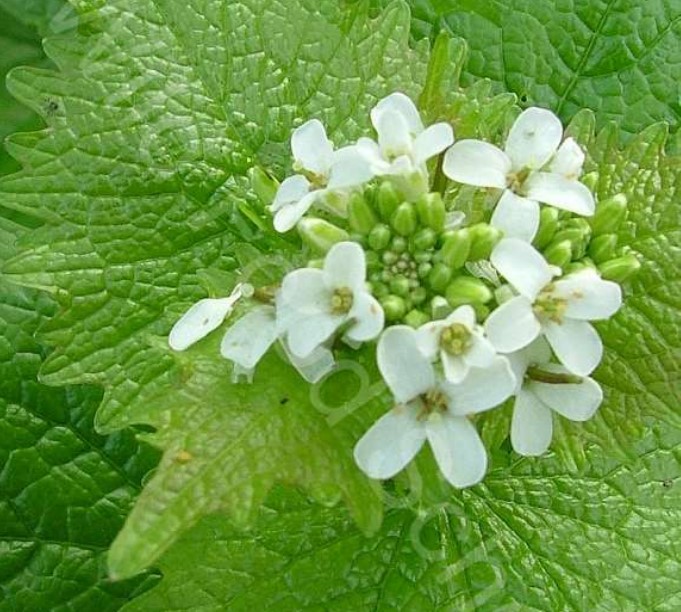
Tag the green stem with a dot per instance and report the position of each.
(552, 378)
(440, 179)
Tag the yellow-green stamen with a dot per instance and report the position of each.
(341, 301)
(456, 339)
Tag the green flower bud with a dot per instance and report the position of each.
(373, 260)
(481, 311)
(423, 257)
(361, 216)
(578, 232)
(399, 244)
(424, 239)
(576, 266)
(590, 180)
(418, 295)
(559, 253)
(319, 234)
(456, 248)
(431, 211)
(610, 214)
(424, 269)
(380, 290)
(620, 269)
(389, 258)
(467, 290)
(548, 224)
(400, 286)
(379, 237)
(315, 263)
(394, 307)
(602, 248)
(404, 220)
(264, 185)
(416, 318)
(484, 238)
(388, 200)
(439, 307)
(439, 277)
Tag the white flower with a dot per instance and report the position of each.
(430, 409)
(559, 310)
(247, 341)
(532, 423)
(202, 318)
(458, 341)
(314, 303)
(532, 168)
(321, 170)
(404, 144)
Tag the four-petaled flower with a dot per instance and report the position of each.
(430, 408)
(532, 168)
(544, 388)
(458, 341)
(321, 170)
(404, 144)
(314, 303)
(559, 310)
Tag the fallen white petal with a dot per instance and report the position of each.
(391, 443)
(516, 216)
(406, 371)
(512, 326)
(478, 163)
(311, 148)
(576, 344)
(458, 450)
(531, 425)
(556, 190)
(522, 266)
(250, 337)
(534, 138)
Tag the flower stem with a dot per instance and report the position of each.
(552, 378)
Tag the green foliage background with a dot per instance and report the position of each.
(138, 184)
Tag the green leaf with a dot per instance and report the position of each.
(161, 108)
(43, 16)
(620, 58)
(64, 491)
(531, 538)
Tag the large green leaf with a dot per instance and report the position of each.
(531, 538)
(620, 58)
(158, 112)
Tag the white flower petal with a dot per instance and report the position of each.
(512, 326)
(368, 317)
(287, 216)
(311, 148)
(345, 266)
(309, 332)
(538, 352)
(568, 160)
(534, 138)
(391, 443)
(313, 367)
(428, 338)
(458, 450)
(292, 190)
(405, 369)
(463, 314)
(516, 216)
(474, 162)
(432, 141)
(201, 319)
(349, 169)
(305, 292)
(560, 192)
(250, 337)
(402, 104)
(371, 152)
(482, 389)
(394, 136)
(575, 402)
(588, 296)
(481, 353)
(531, 425)
(454, 367)
(522, 266)
(576, 344)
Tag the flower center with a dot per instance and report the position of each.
(456, 339)
(548, 306)
(317, 181)
(341, 301)
(432, 402)
(516, 180)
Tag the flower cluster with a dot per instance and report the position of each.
(466, 315)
